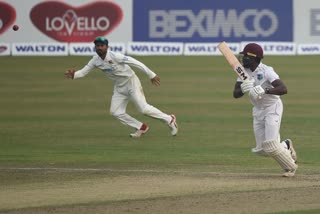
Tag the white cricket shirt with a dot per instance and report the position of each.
(263, 75)
(116, 66)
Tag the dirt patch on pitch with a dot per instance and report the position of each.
(165, 192)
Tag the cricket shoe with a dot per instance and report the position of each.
(292, 150)
(173, 125)
(143, 129)
(289, 173)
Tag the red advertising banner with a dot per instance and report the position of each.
(7, 16)
(65, 21)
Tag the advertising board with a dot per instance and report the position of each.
(212, 21)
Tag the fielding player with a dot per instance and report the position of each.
(265, 89)
(127, 87)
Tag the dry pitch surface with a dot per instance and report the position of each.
(150, 191)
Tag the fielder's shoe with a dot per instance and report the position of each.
(289, 173)
(143, 129)
(173, 125)
(292, 151)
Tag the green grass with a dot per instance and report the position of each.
(49, 121)
(315, 211)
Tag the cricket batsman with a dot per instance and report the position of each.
(127, 87)
(264, 89)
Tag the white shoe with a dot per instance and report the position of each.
(173, 125)
(143, 129)
(289, 173)
(292, 150)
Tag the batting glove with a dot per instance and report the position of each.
(247, 85)
(256, 92)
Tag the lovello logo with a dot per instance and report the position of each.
(65, 23)
(7, 16)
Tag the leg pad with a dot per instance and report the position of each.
(280, 154)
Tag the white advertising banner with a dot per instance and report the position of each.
(207, 49)
(307, 21)
(308, 49)
(154, 48)
(87, 49)
(65, 21)
(40, 49)
(276, 48)
(81, 49)
(191, 49)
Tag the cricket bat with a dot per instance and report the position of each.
(233, 61)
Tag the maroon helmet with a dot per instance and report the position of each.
(253, 49)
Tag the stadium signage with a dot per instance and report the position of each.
(80, 23)
(315, 22)
(4, 49)
(7, 16)
(207, 48)
(75, 24)
(212, 21)
(276, 48)
(87, 49)
(145, 48)
(40, 49)
(308, 49)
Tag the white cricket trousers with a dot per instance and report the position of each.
(132, 91)
(266, 123)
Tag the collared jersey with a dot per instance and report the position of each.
(263, 75)
(116, 66)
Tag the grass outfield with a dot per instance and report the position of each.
(62, 152)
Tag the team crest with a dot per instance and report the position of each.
(259, 76)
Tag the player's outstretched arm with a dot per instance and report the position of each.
(75, 74)
(155, 81)
(70, 73)
(142, 67)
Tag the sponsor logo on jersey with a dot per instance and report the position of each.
(259, 76)
(110, 69)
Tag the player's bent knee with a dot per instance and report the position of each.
(270, 147)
